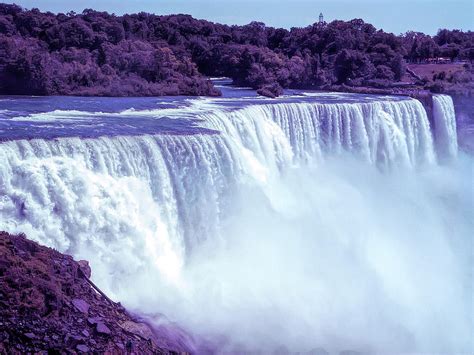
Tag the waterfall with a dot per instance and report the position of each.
(50, 188)
(41, 180)
(445, 127)
(384, 132)
(167, 214)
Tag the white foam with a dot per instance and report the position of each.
(58, 115)
(445, 127)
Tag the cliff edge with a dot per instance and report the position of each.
(49, 305)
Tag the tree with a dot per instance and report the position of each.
(398, 66)
(351, 64)
(97, 53)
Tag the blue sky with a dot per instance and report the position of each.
(391, 15)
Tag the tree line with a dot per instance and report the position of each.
(97, 53)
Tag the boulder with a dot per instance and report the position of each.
(272, 90)
(81, 305)
(82, 348)
(140, 329)
(101, 328)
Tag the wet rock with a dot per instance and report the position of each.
(81, 305)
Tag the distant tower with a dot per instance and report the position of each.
(321, 18)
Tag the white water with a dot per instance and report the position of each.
(302, 224)
(445, 126)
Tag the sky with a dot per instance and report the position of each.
(397, 16)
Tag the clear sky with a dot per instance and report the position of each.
(391, 15)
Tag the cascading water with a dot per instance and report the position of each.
(445, 126)
(380, 132)
(301, 224)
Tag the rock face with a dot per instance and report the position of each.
(47, 305)
(81, 305)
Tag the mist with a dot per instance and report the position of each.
(340, 256)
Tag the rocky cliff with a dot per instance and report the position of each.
(49, 305)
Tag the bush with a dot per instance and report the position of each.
(436, 87)
(384, 72)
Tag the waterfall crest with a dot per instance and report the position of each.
(383, 133)
(257, 142)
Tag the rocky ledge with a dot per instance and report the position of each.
(49, 305)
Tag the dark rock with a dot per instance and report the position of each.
(77, 338)
(83, 348)
(272, 90)
(81, 305)
(85, 268)
(101, 328)
(93, 320)
(130, 346)
(30, 335)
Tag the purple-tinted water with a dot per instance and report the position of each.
(27, 117)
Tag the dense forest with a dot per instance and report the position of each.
(97, 53)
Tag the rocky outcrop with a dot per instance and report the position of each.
(272, 91)
(48, 305)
